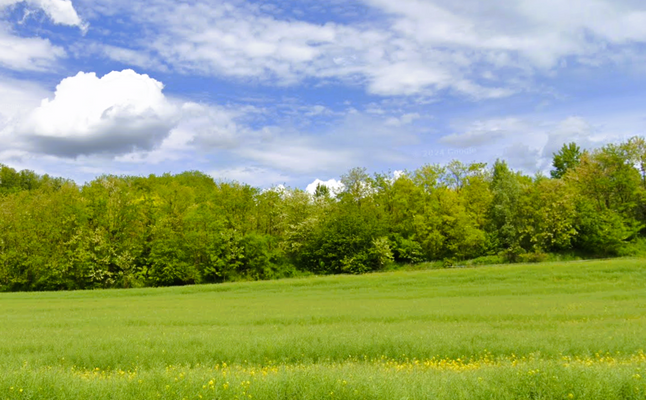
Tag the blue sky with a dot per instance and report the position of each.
(287, 92)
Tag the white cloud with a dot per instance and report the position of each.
(200, 129)
(485, 132)
(522, 156)
(406, 78)
(35, 54)
(528, 143)
(26, 54)
(334, 185)
(254, 176)
(541, 32)
(405, 119)
(17, 97)
(213, 126)
(175, 147)
(476, 49)
(123, 116)
(124, 122)
(226, 40)
(59, 11)
(242, 41)
(572, 129)
(304, 157)
(398, 174)
(119, 112)
(130, 57)
(317, 110)
(357, 139)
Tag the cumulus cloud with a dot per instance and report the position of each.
(125, 116)
(334, 185)
(17, 97)
(124, 122)
(119, 112)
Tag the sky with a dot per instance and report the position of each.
(294, 91)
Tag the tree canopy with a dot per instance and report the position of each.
(565, 159)
(128, 231)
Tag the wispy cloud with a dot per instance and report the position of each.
(26, 54)
(422, 47)
(60, 12)
(281, 92)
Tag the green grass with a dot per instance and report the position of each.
(552, 330)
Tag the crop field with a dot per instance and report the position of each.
(542, 331)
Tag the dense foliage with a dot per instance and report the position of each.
(181, 229)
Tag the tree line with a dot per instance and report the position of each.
(131, 231)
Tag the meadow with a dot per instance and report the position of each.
(533, 331)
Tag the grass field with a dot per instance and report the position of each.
(543, 331)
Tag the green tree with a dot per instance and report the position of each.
(503, 213)
(565, 159)
(609, 191)
(321, 191)
(635, 149)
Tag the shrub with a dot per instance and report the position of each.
(635, 248)
(535, 257)
(380, 254)
(357, 264)
(487, 260)
(406, 250)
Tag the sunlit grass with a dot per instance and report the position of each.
(555, 330)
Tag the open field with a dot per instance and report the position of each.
(554, 330)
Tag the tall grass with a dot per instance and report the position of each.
(552, 330)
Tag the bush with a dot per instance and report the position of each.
(380, 254)
(449, 263)
(535, 257)
(406, 250)
(487, 260)
(603, 233)
(636, 248)
(357, 264)
(513, 253)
